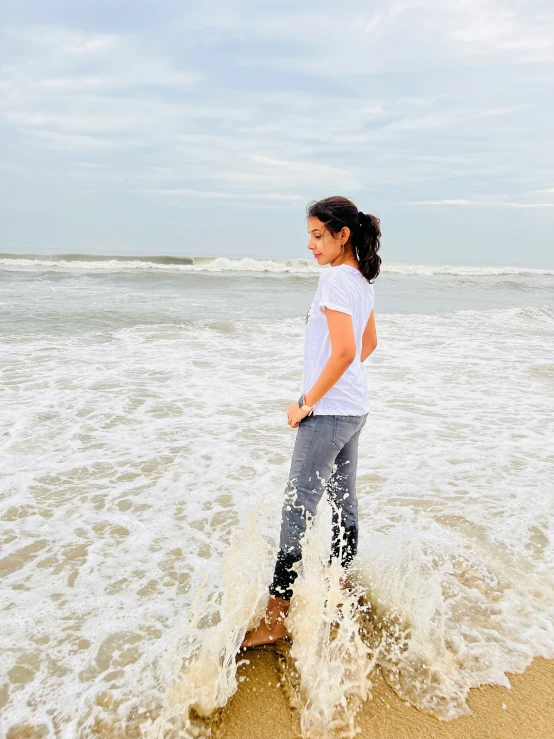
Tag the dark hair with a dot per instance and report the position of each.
(365, 230)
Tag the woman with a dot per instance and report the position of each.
(340, 335)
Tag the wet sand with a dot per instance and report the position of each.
(260, 709)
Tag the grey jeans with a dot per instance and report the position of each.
(325, 459)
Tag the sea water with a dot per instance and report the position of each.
(144, 455)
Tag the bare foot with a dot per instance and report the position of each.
(264, 634)
(272, 627)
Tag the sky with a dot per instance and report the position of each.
(205, 128)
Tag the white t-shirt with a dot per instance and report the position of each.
(344, 289)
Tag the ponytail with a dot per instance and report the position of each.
(366, 240)
(365, 230)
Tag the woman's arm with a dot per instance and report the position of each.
(343, 353)
(369, 338)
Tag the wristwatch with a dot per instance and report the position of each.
(302, 405)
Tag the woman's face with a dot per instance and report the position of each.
(324, 246)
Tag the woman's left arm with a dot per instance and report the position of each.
(343, 353)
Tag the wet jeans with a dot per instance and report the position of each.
(325, 459)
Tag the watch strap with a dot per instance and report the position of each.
(303, 406)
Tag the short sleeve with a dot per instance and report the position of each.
(336, 294)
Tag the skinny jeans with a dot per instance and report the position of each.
(324, 460)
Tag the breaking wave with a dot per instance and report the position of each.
(95, 262)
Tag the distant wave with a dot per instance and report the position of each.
(489, 271)
(96, 262)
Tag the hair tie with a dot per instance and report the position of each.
(361, 217)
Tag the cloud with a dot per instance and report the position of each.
(51, 57)
(482, 203)
(443, 202)
(449, 117)
(210, 195)
(522, 33)
(259, 168)
(397, 104)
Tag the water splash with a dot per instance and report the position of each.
(200, 674)
(448, 616)
(332, 663)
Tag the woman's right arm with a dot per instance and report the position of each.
(369, 338)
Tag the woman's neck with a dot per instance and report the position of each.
(348, 259)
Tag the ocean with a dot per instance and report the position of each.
(144, 455)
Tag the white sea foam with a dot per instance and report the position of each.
(223, 264)
(126, 486)
(462, 271)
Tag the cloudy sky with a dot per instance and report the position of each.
(204, 128)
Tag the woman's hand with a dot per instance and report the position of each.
(295, 414)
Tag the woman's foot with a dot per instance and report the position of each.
(271, 628)
(264, 634)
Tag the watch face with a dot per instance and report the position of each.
(301, 401)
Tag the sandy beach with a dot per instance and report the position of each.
(260, 709)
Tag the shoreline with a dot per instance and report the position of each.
(260, 709)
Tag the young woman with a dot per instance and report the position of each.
(332, 410)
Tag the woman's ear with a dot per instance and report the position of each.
(345, 233)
